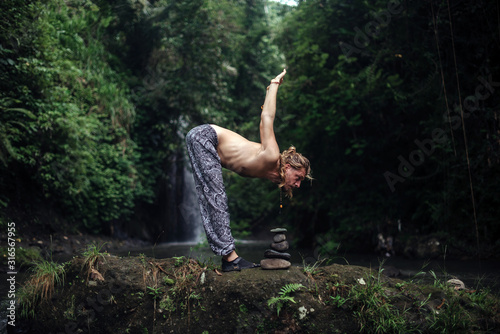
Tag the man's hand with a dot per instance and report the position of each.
(279, 78)
(267, 138)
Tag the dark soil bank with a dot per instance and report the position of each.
(180, 295)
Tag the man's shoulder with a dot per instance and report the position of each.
(269, 156)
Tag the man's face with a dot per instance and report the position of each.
(293, 177)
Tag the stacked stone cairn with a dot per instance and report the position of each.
(275, 257)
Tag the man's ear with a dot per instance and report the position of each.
(287, 166)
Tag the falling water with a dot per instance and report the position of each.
(182, 218)
(188, 207)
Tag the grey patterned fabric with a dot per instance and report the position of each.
(207, 171)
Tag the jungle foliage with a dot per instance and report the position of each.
(404, 94)
(395, 104)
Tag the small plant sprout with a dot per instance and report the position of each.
(179, 260)
(155, 292)
(284, 297)
(338, 300)
(168, 281)
(312, 269)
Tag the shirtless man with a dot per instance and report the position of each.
(212, 147)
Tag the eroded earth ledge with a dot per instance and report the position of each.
(110, 294)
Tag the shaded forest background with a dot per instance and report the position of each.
(396, 104)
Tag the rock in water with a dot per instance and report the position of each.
(280, 246)
(279, 237)
(275, 264)
(272, 254)
(278, 230)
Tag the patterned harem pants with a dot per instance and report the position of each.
(202, 144)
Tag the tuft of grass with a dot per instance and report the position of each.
(45, 275)
(91, 255)
(460, 308)
(312, 269)
(372, 307)
(451, 318)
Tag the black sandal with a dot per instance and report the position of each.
(238, 264)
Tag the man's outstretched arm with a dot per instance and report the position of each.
(267, 137)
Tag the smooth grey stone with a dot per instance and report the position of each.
(280, 246)
(278, 230)
(271, 264)
(272, 254)
(279, 237)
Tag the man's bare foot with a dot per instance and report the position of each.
(230, 257)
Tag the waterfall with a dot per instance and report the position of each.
(175, 215)
(181, 216)
(188, 207)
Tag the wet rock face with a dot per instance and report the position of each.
(275, 257)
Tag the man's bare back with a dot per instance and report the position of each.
(245, 157)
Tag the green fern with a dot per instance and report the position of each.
(284, 297)
(289, 288)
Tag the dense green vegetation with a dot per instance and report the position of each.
(377, 79)
(395, 104)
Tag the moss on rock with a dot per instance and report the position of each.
(181, 295)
